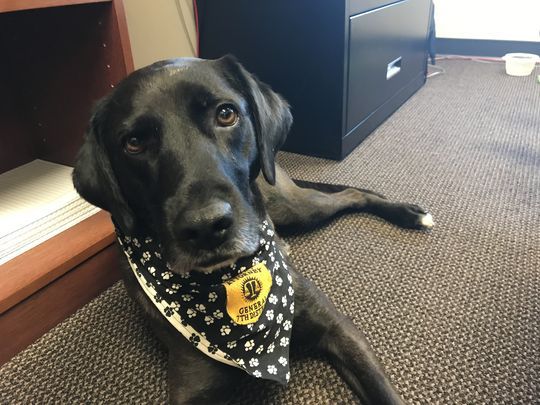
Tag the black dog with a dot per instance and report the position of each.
(184, 150)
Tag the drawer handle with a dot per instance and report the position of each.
(393, 68)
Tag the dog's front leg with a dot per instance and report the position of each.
(319, 324)
(194, 378)
(298, 206)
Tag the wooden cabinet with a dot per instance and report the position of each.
(58, 59)
(343, 65)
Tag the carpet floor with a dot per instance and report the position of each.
(453, 314)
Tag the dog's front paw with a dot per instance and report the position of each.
(412, 217)
(426, 221)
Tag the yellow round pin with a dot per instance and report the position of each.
(247, 293)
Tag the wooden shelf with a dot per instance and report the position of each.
(30, 319)
(18, 5)
(33, 270)
(57, 62)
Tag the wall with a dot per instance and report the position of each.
(157, 31)
(517, 20)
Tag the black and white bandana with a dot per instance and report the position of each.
(240, 315)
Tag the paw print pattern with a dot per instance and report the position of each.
(166, 275)
(253, 362)
(195, 339)
(190, 300)
(145, 257)
(169, 311)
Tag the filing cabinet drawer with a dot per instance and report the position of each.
(386, 52)
(361, 6)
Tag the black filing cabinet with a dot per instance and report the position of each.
(343, 65)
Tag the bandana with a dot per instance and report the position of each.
(240, 315)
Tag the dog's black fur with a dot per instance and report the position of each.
(157, 157)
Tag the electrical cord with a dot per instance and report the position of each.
(196, 16)
(439, 70)
(193, 42)
(480, 59)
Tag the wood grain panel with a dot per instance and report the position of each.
(22, 324)
(36, 268)
(17, 5)
(56, 75)
(123, 35)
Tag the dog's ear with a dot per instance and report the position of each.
(93, 176)
(271, 114)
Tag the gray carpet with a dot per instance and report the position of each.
(453, 314)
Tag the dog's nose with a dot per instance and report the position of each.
(207, 227)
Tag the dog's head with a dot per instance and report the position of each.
(175, 150)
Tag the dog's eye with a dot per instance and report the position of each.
(226, 115)
(133, 145)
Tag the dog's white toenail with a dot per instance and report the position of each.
(427, 221)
